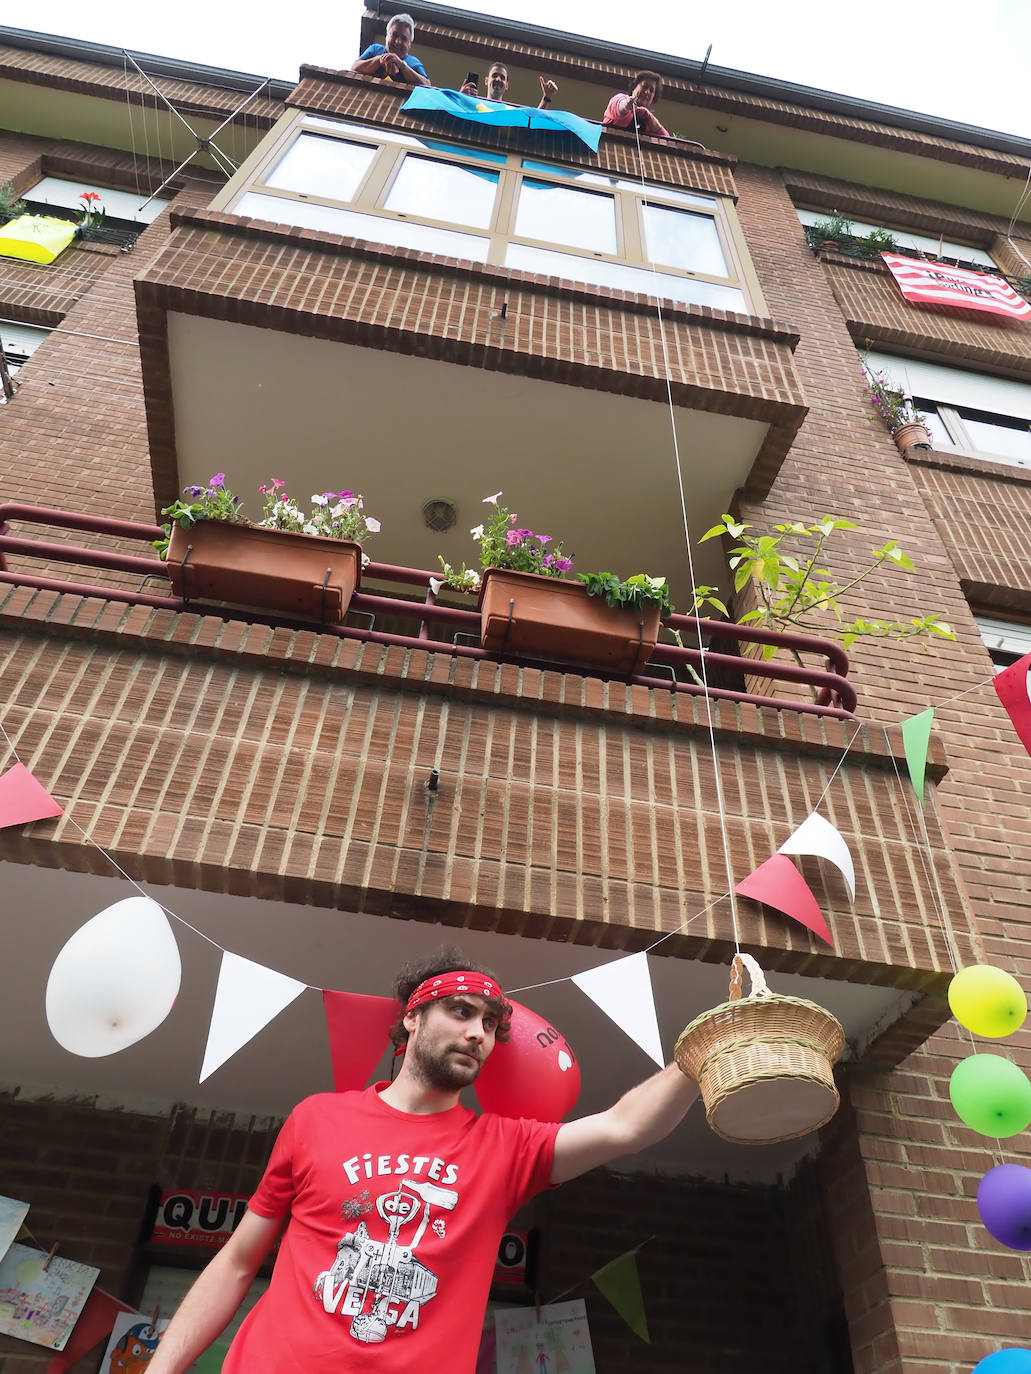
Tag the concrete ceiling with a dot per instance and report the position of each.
(257, 403)
(290, 1059)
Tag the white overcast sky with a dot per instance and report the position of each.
(961, 59)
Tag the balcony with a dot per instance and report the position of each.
(369, 305)
(355, 776)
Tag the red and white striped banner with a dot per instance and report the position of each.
(932, 283)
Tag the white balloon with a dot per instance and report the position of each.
(115, 980)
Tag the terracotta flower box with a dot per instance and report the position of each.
(276, 570)
(548, 617)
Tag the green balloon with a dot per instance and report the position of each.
(991, 1095)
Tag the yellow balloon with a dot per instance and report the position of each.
(987, 1001)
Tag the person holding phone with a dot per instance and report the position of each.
(394, 60)
(497, 85)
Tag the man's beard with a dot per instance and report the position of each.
(443, 1070)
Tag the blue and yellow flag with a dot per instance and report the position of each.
(431, 100)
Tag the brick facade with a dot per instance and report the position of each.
(568, 808)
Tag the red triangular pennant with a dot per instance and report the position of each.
(778, 883)
(23, 799)
(1012, 687)
(94, 1325)
(359, 1032)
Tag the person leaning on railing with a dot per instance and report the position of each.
(626, 111)
(394, 60)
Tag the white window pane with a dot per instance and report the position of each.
(640, 279)
(442, 190)
(1000, 440)
(617, 183)
(60, 192)
(676, 238)
(316, 166)
(22, 339)
(398, 233)
(940, 436)
(581, 219)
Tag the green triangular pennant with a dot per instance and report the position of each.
(620, 1283)
(916, 735)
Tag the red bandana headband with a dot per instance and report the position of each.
(452, 985)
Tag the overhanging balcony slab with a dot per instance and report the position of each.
(290, 1059)
(276, 352)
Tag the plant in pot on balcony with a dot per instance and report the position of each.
(893, 407)
(528, 606)
(300, 563)
(835, 232)
(793, 592)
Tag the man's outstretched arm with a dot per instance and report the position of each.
(641, 1117)
(211, 1303)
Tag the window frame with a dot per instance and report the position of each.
(256, 175)
(962, 441)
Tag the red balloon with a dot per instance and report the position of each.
(534, 1074)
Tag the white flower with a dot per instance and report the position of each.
(477, 532)
(373, 524)
(319, 500)
(472, 579)
(491, 500)
(435, 585)
(366, 560)
(310, 528)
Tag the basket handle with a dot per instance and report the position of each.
(756, 977)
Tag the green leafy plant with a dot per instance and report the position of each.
(504, 545)
(633, 594)
(876, 242)
(11, 206)
(333, 515)
(92, 213)
(836, 227)
(795, 593)
(890, 403)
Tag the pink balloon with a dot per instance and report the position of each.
(534, 1074)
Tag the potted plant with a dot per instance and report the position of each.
(305, 564)
(836, 232)
(891, 405)
(11, 206)
(876, 242)
(528, 606)
(91, 216)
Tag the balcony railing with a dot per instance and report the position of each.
(444, 629)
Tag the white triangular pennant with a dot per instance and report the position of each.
(623, 990)
(816, 835)
(247, 998)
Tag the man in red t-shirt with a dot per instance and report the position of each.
(394, 1200)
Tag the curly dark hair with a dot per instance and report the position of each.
(445, 960)
(653, 77)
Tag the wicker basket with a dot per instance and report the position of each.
(764, 1063)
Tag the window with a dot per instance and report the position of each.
(960, 253)
(19, 341)
(407, 191)
(1005, 640)
(126, 213)
(967, 412)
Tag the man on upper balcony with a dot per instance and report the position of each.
(394, 60)
(497, 85)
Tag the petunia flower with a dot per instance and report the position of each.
(491, 500)
(477, 532)
(218, 481)
(374, 525)
(435, 585)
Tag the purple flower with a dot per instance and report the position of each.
(512, 538)
(563, 564)
(218, 481)
(547, 560)
(194, 491)
(544, 538)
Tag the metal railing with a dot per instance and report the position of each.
(442, 628)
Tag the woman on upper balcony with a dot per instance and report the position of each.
(624, 111)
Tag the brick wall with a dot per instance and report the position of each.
(87, 1174)
(925, 1286)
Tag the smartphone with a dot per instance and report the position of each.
(472, 76)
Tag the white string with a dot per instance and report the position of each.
(690, 565)
(132, 131)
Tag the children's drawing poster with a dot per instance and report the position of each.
(131, 1345)
(42, 1305)
(558, 1342)
(12, 1218)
